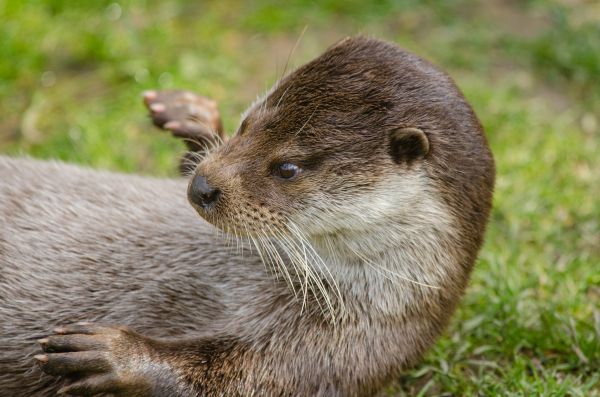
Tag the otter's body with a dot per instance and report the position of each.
(77, 244)
(364, 182)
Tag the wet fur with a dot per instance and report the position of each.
(398, 241)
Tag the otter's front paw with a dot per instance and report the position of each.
(95, 359)
(189, 116)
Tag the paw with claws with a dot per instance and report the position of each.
(97, 359)
(188, 116)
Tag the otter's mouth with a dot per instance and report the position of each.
(242, 217)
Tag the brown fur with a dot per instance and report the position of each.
(390, 236)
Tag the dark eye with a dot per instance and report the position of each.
(287, 170)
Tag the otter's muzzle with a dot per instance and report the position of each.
(201, 193)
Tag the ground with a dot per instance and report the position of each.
(72, 73)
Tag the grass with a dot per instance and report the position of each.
(71, 74)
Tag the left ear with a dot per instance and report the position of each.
(408, 144)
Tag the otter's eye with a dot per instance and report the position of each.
(287, 170)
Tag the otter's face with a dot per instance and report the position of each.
(367, 154)
(333, 148)
(312, 175)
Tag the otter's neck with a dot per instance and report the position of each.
(390, 268)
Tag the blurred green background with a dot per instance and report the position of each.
(72, 73)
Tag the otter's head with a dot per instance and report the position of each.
(361, 138)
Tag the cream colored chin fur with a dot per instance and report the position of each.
(389, 244)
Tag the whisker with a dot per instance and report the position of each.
(376, 267)
(260, 254)
(307, 120)
(279, 261)
(307, 252)
(292, 253)
(292, 51)
(320, 260)
(300, 263)
(282, 95)
(249, 236)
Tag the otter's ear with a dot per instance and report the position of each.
(408, 144)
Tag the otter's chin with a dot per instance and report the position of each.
(208, 216)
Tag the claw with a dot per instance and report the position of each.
(172, 125)
(189, 96)
(149, 95)
(157, 107)
(75, 362)
(41, 358)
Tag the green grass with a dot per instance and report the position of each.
(71, 74)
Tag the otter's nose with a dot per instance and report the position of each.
(201, 193)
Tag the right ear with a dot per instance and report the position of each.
(408, 144)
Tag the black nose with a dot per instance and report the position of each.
(201, 193)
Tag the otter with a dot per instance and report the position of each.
(337, 231)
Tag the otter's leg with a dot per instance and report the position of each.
(117, 360)
(188, 116)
